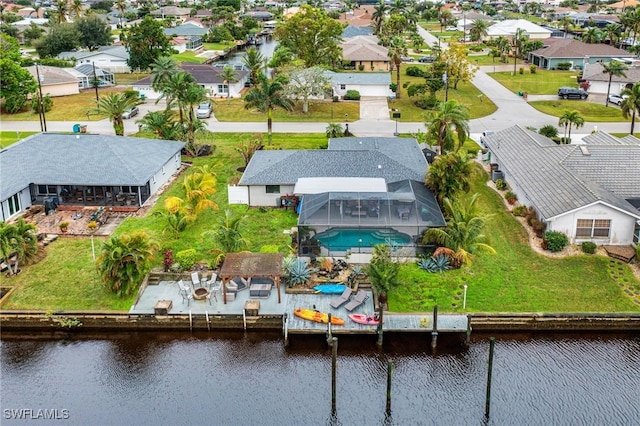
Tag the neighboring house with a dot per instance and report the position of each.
(368, 185)
(575, 52)
(353, 31)
(259, 15)
(110, 58)
(599, 81)
(55, 81)
(589, 192)
(368, 84)
(509, 27)
(189, 31)
(206, 75)
(85, 74)
(181, 13)
(360, 17)
(84, 169)
(466, 20)
(25, 24)
(365, 54)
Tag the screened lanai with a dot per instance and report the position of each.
(399, 215)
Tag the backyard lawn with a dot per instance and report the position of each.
(188, 56)
(543, 82)
(7, 138)
(590, 111)
(127, 79)
(319, 111)
(516, 279)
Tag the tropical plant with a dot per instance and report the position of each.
(511, 197)
(267, 96)
(397, 48)
(254, 60)
(613, 68)
(334, 130)
(464, 233)
(501, 185)
(519, 211)
(76, 8)
(228, 76)
(177, 219)
(451, 118)
(568, 119)
(26, 241)
(161, 70)
(228, 235)
(555, 241)
(114, 105)
(434, 264)
(298, 272)
(248, 147)
(162, 124)
(8, 244)
(124, 261)
(382, 271)
(478, 29)
(187, 258)
(378, 15)
(631, 105)
(548, 130)
(199, 186)
(450, 174)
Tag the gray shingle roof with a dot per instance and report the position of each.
(572, 48)
(556, 178)
(186, 30)
(285, 167)
(51, 158)
(359, 77)
(353, 31)
(117, 51)
(203, 73)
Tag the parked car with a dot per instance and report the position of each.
(407, 59)
(427, 59)
(131, 112)
(451, 29)
(571, 93)
(617, 99)
(204, 110)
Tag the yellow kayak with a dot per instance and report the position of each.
(317, 316)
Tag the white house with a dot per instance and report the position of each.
(374, 84)
(589, 192)
(110, 58)
(599, 80)
(84, 169)
(508, 28)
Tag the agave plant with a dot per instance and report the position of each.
(439, 263)
(298, 272)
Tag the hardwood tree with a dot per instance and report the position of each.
(145, 43)
(307, 83)
(16, 83)
(459, 69)
(93, 32)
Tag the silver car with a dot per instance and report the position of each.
(616, 99)
(131, 112)
(204, 110)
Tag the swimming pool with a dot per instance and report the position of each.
(346, 239)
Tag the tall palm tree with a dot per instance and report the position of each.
(397, 49)
(478, 29)
(121, 6)
(173, 86)
(464, 233)
(76, 8)
(61, 11)
(254, 60)
(265, 97)
(631, 105)
(520, 38)
(124, 261)
(193, 95)
(450, 118)
(114, 105)
(613, 68)
(592, 36)
(566, 23)
(161, 69)
(613, 33)
(569, 119)
(229, 76)
(379, 12)
(503, 46)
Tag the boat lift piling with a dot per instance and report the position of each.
(190, 321)
(468, 341)
(487, 404)
(389, 373)
(434, 333)
(329, 333)
(334, 367)
(285, 329)
(206, 314)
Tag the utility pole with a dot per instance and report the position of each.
(95, 80)
(43, 121)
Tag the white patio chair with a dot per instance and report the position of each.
(212, 280)
(195, 279)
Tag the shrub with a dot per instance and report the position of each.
(589, 247)
(531, 214)
(47, 103)
(521, 70)
(638, 253)
(298, 271)
(564, 66)
(555, 241)
(533, 69)
(361, 67)
(186, 258)
(511, 197)
(428, 102)
(519, 211)
(414, 71)
(336, 98)
(393, 87)
(538, 227)
(549, 131)
(352, 95)
(501, 185)
(434, 264)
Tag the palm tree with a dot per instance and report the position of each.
(8, 244)
(382, 271)
(189, 99)
(613, 68)
(566, 22)
(450, 174)
(613, 33)
(569, 119)
(334, 130)
(379, 12)
(265, 97)
(26, 241)
(254, 60)
(464, 233)
(161, 123)
(229, 76)
(503, 46)
(228, 235)
(161, 70)
(61, 11)
(592, 35)
(173, 86)
(121, 6)
(520, 38)
(124, 261)
(397, 49)
(450, 117)
(114, 105)
(478, 29)
(76, 8)
(417, 41)
(199, 187)
(631, 104)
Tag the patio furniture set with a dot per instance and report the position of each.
(351, 303)
(259, 288)
(199, 289)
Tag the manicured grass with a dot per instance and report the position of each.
(543, 82)
(64, 280)
(66, 108)
(127, 79)
(590, 111)
(466, 93)
(322, 111)
(218, 46)
(516, 279)
(7, 138)
(188, 56)
(485, 59)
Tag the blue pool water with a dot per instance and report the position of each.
(346, 239)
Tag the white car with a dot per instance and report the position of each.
(131, 112)
(204, 110)
(617, 99)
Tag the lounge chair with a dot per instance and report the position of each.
(342, 299)
(241, 283)
(356, 301)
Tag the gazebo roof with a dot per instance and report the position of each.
(247, 264)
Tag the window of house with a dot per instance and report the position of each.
(343, 87)
(593, 228)
(223, 88)
(47, 189)
(273, 189)
(14, 204)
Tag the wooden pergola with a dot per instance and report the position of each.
(249, 265)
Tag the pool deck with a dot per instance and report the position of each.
(269, 307)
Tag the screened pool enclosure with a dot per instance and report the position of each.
(332, 223)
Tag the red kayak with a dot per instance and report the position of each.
(364, 319)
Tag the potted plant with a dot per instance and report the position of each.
(511, 197)
(64, 226)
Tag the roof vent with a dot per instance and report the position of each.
(77, 136)
(585, 150)
(379, 166)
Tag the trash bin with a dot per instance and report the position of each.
(76, 128)
(83, 128)
(520, 93)
(143, 97)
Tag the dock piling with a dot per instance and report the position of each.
(329, 333)
(468, 341)
(334, 367)
(206, 314)
(190, 321)
(487, 405)
(389, 373)
(434, 332)
(379, 328)
(285, 330)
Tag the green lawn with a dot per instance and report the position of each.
(127, 79)
(218, 46)
(516, 279)
(543, 82)
(590, 111)
(319, 111)
(188, 56)
(7, 138)
(466, 93)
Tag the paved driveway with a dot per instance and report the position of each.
(374, 108)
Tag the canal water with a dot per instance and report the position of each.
(252, 379)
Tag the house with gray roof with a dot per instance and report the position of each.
(376, 84)
(356, 185)
(83, 169)
(589, 192)
(599, 80)
(575, 52)
(189, 31)
(110, 58)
